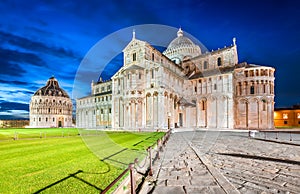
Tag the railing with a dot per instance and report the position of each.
(152, 155)
(279, 136)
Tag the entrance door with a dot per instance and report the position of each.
(180, 120)
(59, 124)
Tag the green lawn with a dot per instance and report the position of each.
(11, 133)
(74, 164)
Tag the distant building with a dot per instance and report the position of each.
(94, 111)
(287, 117)
(181, 87)
(50, 106)
(13, 123)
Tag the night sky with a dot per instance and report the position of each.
(44, 38)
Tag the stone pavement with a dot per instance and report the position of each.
(180, 170)
(256, 166)
(225, 162)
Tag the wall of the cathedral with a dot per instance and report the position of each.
(95, 111)
(138, 91)
(153, 92)
(50, 111)
(213, 97)
(254, 99)
(211, 61)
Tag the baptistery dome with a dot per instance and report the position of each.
(51, 89)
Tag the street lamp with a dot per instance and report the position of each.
(169, 116)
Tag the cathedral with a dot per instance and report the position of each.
(182, 87)
(50, 106)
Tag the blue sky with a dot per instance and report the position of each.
(44, 38)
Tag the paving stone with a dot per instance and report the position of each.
(289, 179)
(180, 167)
(251, 168)
(290, 172)
(249, 190)
(173, 190)
(292, 187)
(178, 182)
(216, 190)
(211, 190)
(201, 172)
(161, 182)
(203, 181)
(256, 186)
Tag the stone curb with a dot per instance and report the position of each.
(222, 181)
(277, 141)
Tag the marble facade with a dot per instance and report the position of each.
(182, 87)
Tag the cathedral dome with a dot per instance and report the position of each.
(180, 40)
(181, 48)
(51, 89)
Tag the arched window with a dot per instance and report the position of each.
(134, 57)
(205, 65)
(240, 88)
(219, 61)
(152, 73)
(251, 89)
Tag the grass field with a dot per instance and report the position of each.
(11, 133)
(73, 164)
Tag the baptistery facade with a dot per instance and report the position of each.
(50, 106)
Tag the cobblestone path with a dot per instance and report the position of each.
(226, 162)
(254, 166)
(180, 170)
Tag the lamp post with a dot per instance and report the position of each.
(169, 116)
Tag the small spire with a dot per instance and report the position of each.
(234, 40)
(133, 34)
(180, 32)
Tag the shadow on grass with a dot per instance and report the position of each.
(109, 161)
(73, 175)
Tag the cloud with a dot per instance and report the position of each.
(13, 110)
(20, 57)
(19, 83)
(14, 114)
(36, 46)
(6, 106)
(8, 68)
